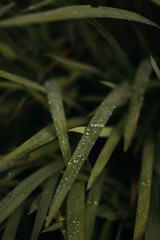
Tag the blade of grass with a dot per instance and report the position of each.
(75, 212)
(43, 206)
(43, 137)
(155, 67)
(106, 152)
(152, 230)
(26, 187)
(53, 227)
(138, 90)
(77, 65)
(39, 5)
(157, 2)
(93, 199)
(6, 8)
(58, 115)
(7, 51)
(144, 190)
(107, 212)
(103, 113)
(22, 81)
(75, 12)
(113, 43)
(12, 224)
(109, 84)
(105, 132)
(35, 204)
(105, 230)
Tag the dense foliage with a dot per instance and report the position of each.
(79, 120)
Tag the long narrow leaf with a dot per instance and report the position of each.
(12, 224)
(139, 88)
(6, 8)
(93, 200)
(75, 12)
(75, 212)
(105, 132)
(100, 118)
(144, 190)
(152, 230)
(21, 80)
(58, 115)
(43, 137)
(43, 206)
(106, 152)
(155, 67)
(25, 188)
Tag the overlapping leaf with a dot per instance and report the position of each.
(97, 123)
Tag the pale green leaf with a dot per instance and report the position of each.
(75, 12)
(108, 84)
(92, 132)
(39, 5)
(144, 190)
(105, 132)
(26, 187)
(138, 91)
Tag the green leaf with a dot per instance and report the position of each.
(155, 67)
(12, 224)
(107, 212)
(22, 81)
(26, 187)
(152, 230)
(35, 204)
(58, 115)
(109, 84)
(105, 230)
(43, 206)
(105, 132)
(144, 190)
(7, 51)
(39, 5)
(157, 2)
(44, 136)
(106, 152)
(97, 123)
(53, 227)
(75, 12)
(75, 212)
(138, 91)
(93, 200)
(77, 65)
(119, 53)
(4, 9)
